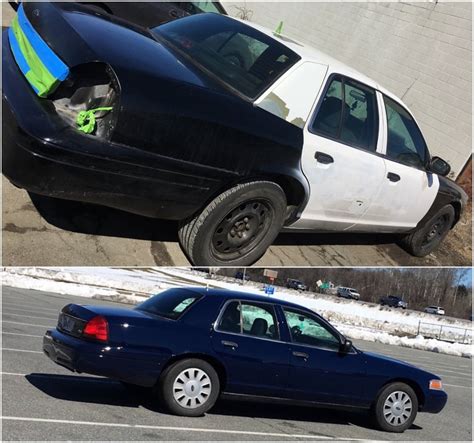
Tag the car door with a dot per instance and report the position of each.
(339, 158)
(407, 190)
(246, 338)
(318, 371)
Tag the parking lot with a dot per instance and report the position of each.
(42, 401)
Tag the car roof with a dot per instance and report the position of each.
(308, 53)
(228, 294)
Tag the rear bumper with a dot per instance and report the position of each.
(44, 155)
(98, 359)
(435, 401)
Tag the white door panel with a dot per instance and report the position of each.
(400, 205)
(341, 191)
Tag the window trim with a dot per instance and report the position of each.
(427, 151)
(337, 139)
(241, 334)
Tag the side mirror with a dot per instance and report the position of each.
(345, 347)
(439, 166)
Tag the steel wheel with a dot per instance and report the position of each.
(192, 388)
(437, 230)
(397, 408)
(242, 229)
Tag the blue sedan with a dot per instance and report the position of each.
(192, 345)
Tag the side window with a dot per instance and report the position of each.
(230, 319)
(310, 331)
(348, 113)
(259, 320)
(246, 318)
(405, 143)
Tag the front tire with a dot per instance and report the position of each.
(189, 387)
(428, 237)
(237, 227)
(395, 408)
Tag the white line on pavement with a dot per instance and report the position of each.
(457, 386)
(23, 335)
(21, 350)
(28, 316)
(27, 324)
(171, 428)
(7, 304)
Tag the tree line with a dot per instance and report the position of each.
(420, 287)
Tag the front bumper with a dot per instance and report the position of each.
(98, 359)
(435, 401)
(46, 156)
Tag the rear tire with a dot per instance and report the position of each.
(189, 387)
(395, 408)
(237, 227)
(428, 237)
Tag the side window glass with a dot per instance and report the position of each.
(308, 330)
(359, 123)
(328, 120)
(348, 113)
(259, 320)
(230, 319)
(405, 143)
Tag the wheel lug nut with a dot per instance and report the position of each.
(246, 219)
(247, 226)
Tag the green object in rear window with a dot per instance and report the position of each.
(86, 120)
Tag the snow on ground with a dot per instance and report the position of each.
(355, 319)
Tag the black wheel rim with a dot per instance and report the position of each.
(242, 229)
(436, 230)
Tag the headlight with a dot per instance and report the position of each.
(436, 385)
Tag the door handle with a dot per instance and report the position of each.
(323, 158)
(393, 177)
(230, 344)
(301, 355)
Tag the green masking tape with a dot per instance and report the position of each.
(86, 120)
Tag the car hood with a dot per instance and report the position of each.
(373, 359)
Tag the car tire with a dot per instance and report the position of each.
(237, 227)
(395, 408)
(197, 395)
(428, 237)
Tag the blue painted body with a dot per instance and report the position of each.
(141, 345)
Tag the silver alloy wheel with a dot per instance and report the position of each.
(192, 388)
(397, 408)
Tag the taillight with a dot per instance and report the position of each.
(97, 328)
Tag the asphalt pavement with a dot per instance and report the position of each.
(43, 401)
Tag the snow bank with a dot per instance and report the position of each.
(357, 320)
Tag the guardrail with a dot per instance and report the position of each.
(445, 332)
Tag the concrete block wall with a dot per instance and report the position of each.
(420, 51)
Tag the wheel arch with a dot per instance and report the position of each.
(214, 362)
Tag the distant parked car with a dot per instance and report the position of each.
(194, 345)
(348, 293)
(296, 284)
(239, 275)
(394, 302)
(438, 310)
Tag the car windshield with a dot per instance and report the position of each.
(240, 57)
(170, 304)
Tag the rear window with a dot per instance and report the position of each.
(169, 304)
(235, 54)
